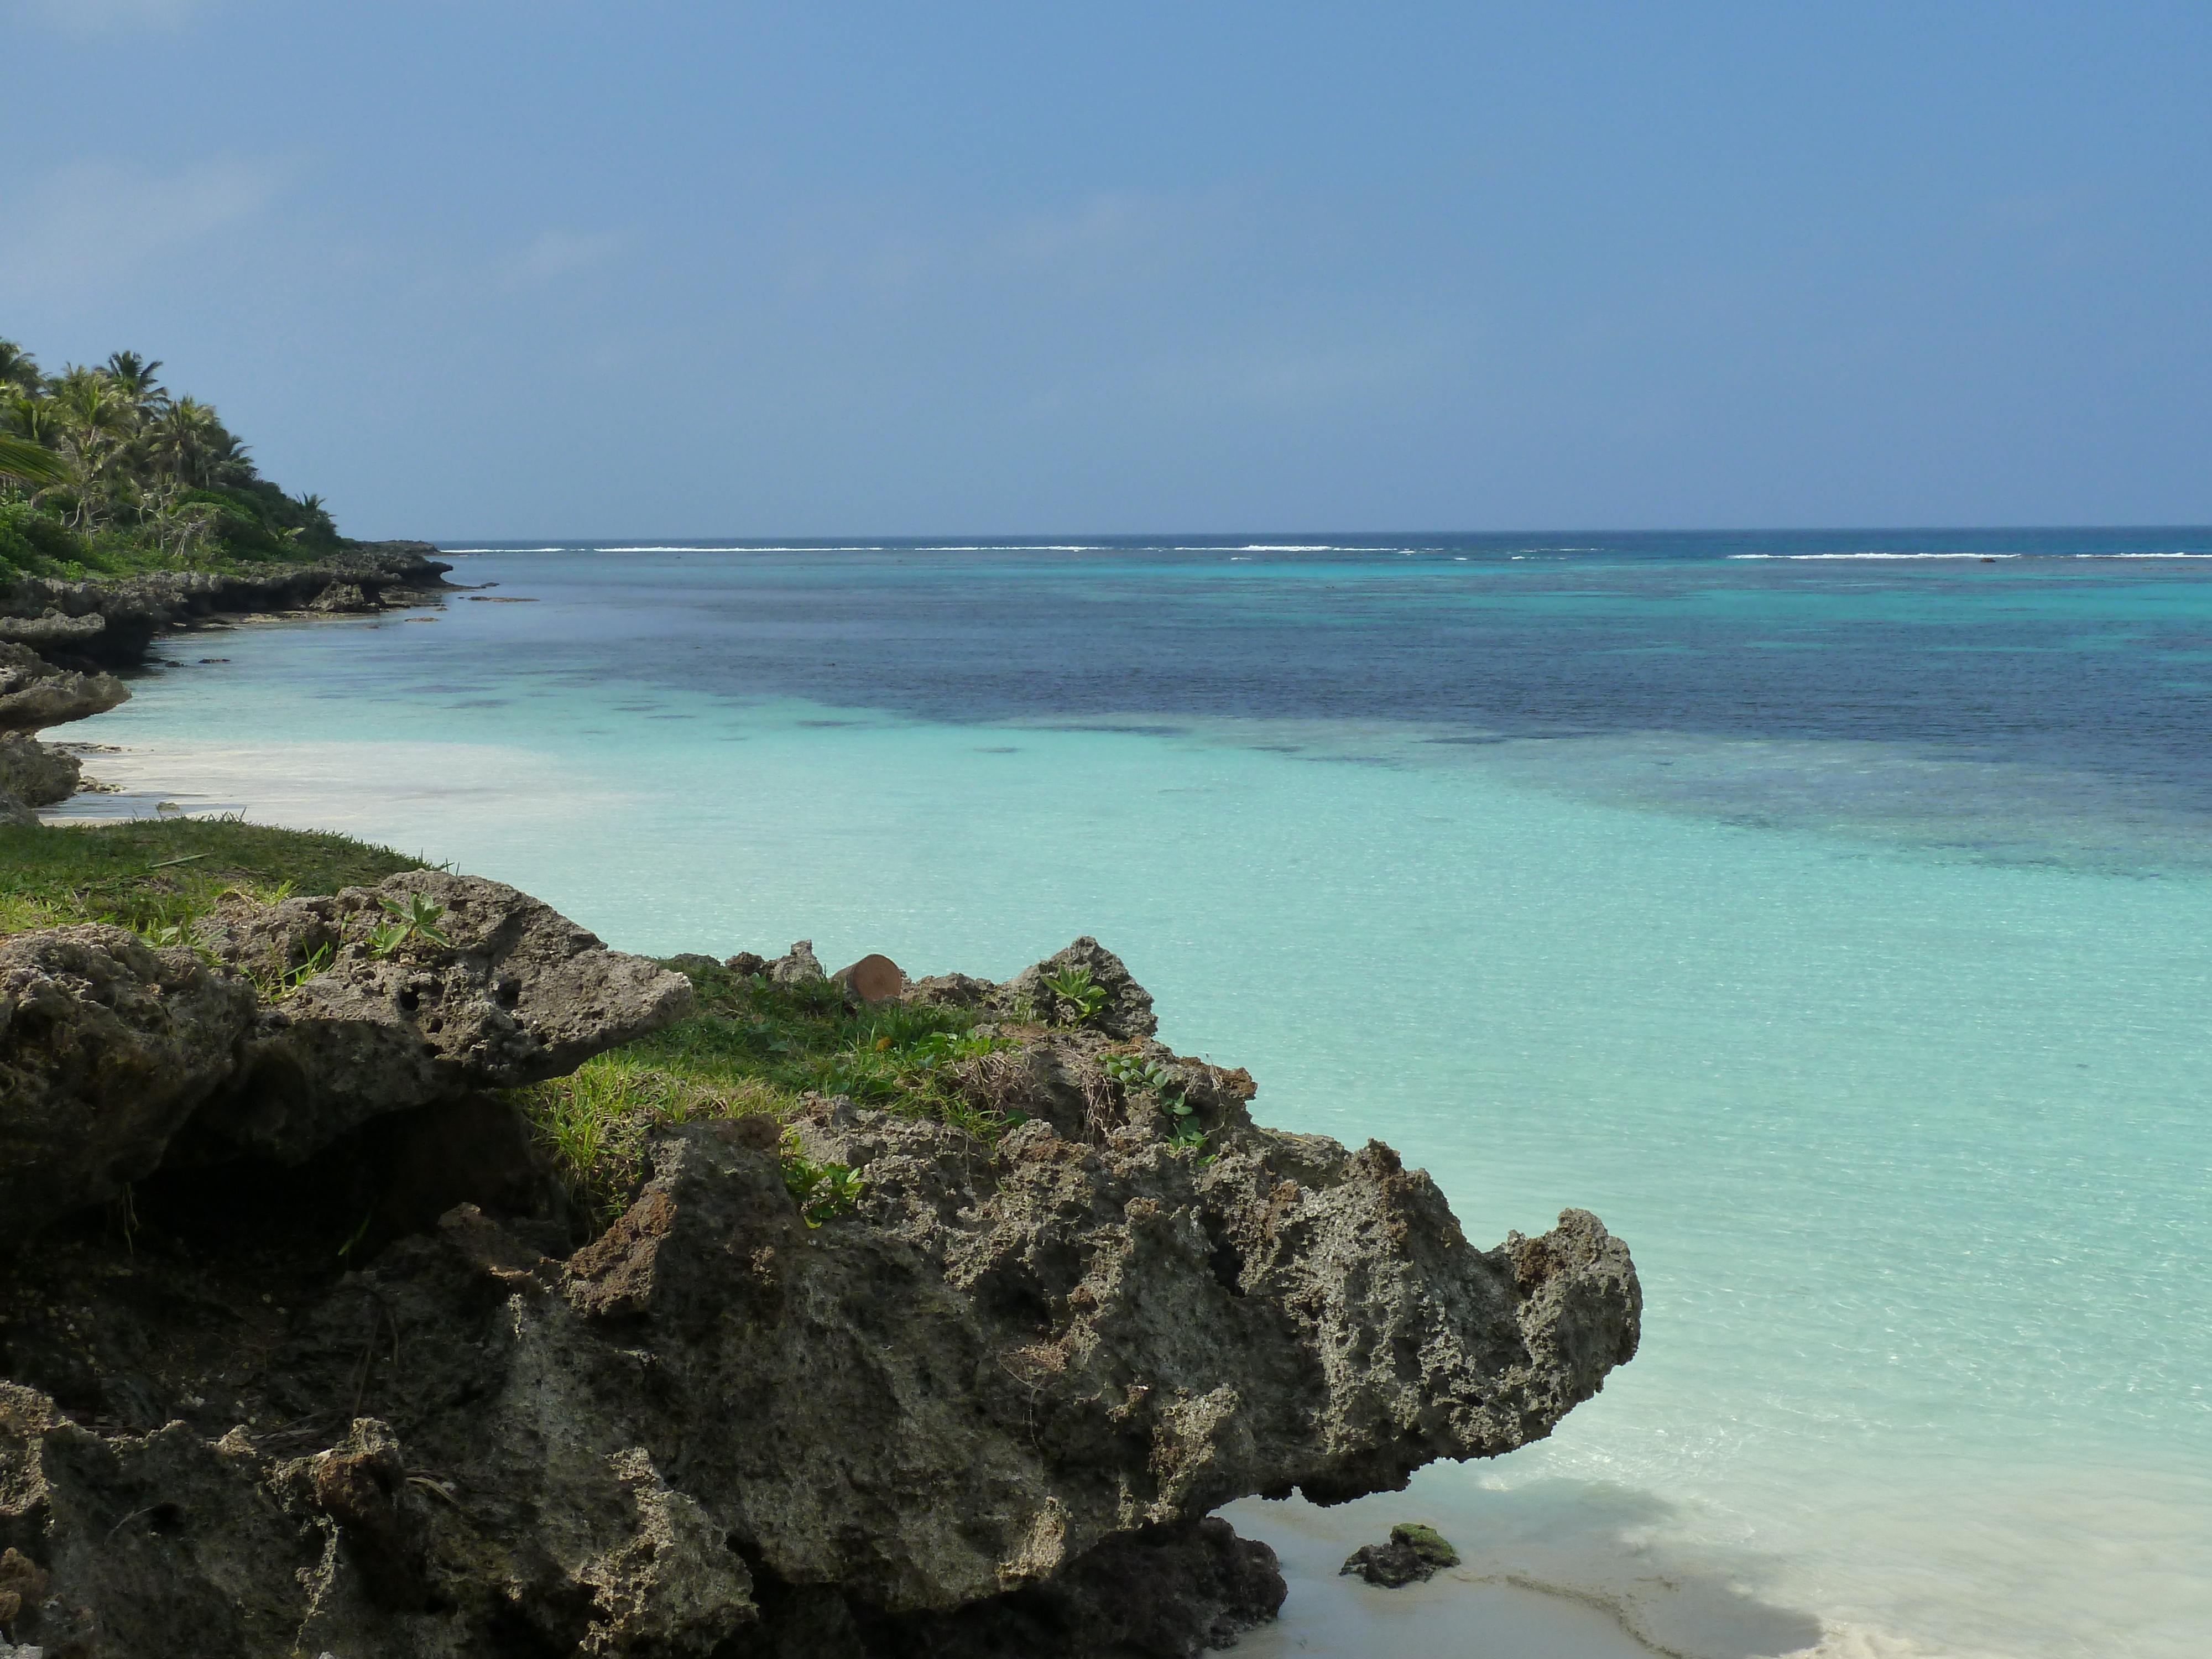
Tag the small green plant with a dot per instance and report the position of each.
(1138, 1076)
(820, 1190)
(1075, 988)
(293, 978)
(413, 917)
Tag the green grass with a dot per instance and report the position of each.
(149, 875)
(752, 1046)
(756, 1047)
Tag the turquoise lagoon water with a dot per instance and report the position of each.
(1836, 927)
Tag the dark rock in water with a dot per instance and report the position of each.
(872, 979)
(497, 990)
(343, 598)
(799, 967)
(1125, 1008)
(1415, 1553)
(34, 693)
(106, 1047)
(37, 774)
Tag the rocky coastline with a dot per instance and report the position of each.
(60, 640)
(313, 1343)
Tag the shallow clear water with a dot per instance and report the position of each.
(1836, 927)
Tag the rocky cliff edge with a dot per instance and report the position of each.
(985, 1408)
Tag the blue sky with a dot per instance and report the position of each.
(471, 268)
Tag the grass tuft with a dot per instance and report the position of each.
(158, 876)
(754, 1047)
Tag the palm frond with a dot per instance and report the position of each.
(21, 459)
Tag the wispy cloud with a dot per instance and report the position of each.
(556, 253)
(1105, 224)
(96, 221)
(854, 250)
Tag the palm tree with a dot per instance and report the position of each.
(33, 463)
(97, 424)
(133, 377)
(32, 416)
(18, 367)
(234, 462)
(185, 439)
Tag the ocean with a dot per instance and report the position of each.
(1830, 913)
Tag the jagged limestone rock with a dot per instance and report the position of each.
(113, 622)
(984, 1409)
(364, 1024)
(1413, 1554)
(50, 630)
(970, 1395)
(35, 695)
(799, 967)
(106, 1047)
(1125, 1008)
(343, 598)
(37, 774)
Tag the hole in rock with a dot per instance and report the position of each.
(393, 1177)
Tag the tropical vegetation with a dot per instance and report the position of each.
(103, 470)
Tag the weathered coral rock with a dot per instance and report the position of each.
(114, 621)
(341, 598)
(34, 693)
(37, 774)
(799, 967)
(1412, 1554)
(948, 1409)
(1127, 1010)
(106, 1046)
(13, 811)
(516, 993)
(984, 1410)
(50, 630)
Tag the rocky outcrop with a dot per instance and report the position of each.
(115, 1057)
(799, 966)
(37, 774)
(34, 693)
(50, 630)
(106, 1047)
(1412, 1554)
(1123, 1008)
(342, 598)
(426, 987)
(985, 1408)
(114, 623)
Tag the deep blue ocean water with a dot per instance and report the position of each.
(1828, 912)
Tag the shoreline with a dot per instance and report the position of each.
(1336, 1617)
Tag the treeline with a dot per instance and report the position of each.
(101, 469)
